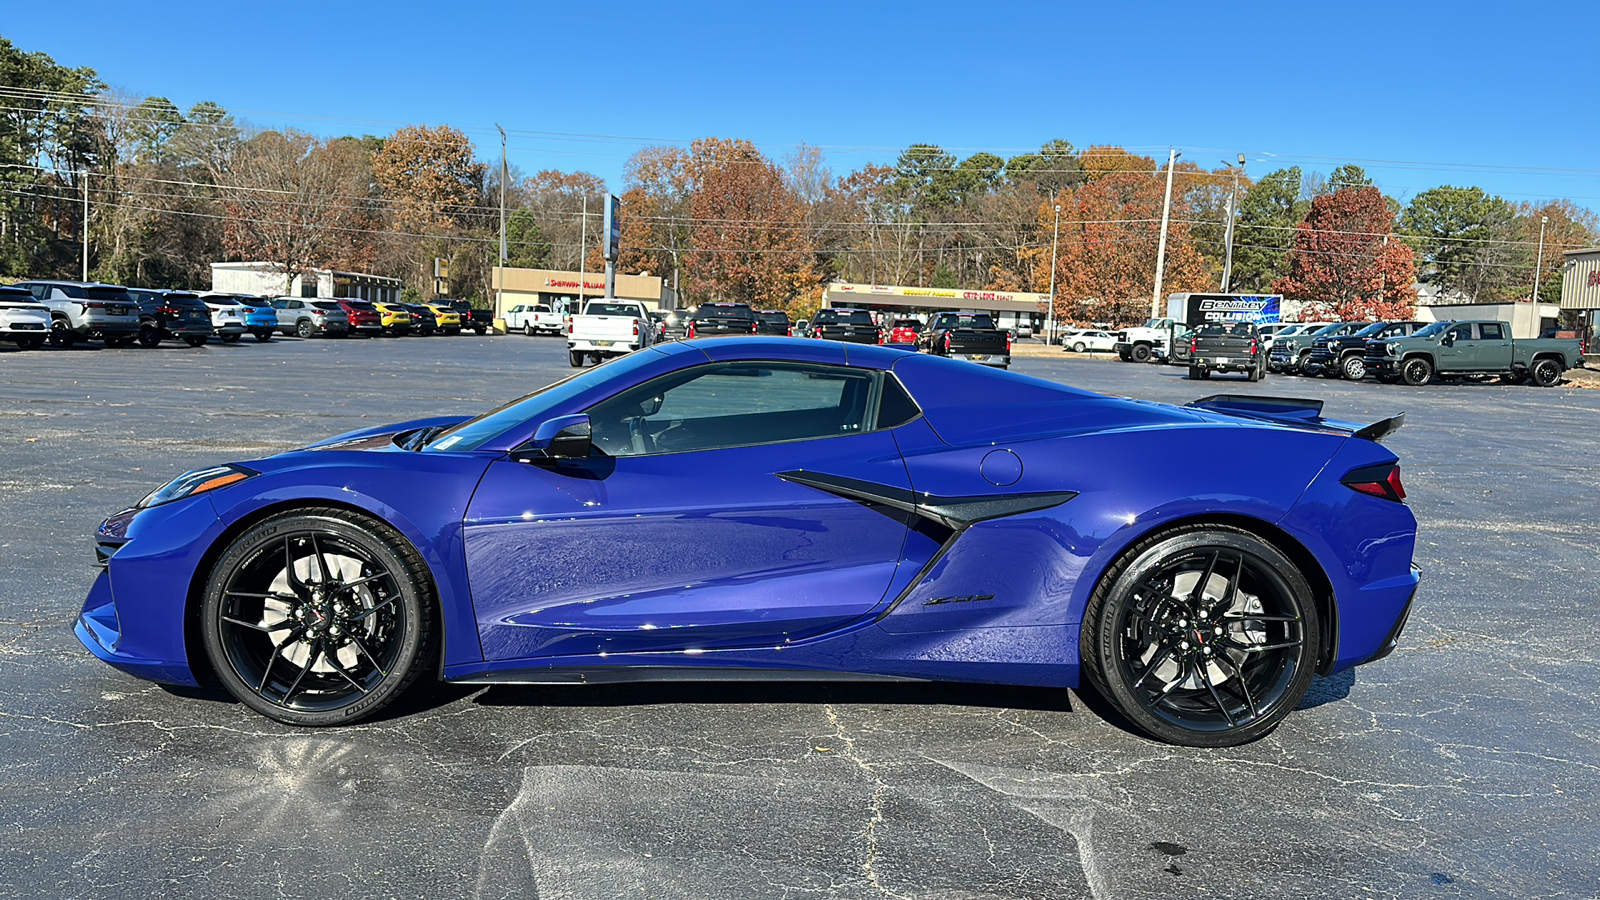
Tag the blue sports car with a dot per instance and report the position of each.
(779, 508)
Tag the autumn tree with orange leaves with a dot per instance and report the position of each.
(1346, 262)
(747, 243)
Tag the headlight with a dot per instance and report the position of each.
(1391, 349)
(196, 482)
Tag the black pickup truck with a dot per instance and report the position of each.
(721, 319)
(1345, 355)
(853, 326)
(972, 336)
(1226, 347)
(476, 320)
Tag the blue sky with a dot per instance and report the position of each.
(1420, 94)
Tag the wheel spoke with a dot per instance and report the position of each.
(362, 649)
(1263, 648)
(280, 625)
(266, 671)
(299, 587)
(366, 613)
(364, 579)
(1183, 675)
(322, 564)
(1247, 617)
(1244, 687)
(311, 660)
(254, 595)
(1205, 676)
(1199, 590)
(334, 662)
(1161, 657)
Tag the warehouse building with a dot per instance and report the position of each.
(1580, 290)
(267, 280)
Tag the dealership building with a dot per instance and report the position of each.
(1011, 309)
(561, 291)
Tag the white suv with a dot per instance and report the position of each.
(86, 311)
(24, 321)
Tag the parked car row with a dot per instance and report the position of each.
(1417, 352)
(65, 313)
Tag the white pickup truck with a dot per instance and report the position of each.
(608, 328)
(534, 318)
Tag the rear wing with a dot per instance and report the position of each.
(1294, 411)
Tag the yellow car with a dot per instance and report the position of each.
(449, 321)
(396, 318)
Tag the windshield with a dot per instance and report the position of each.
(1237, 329)
(221, 300)
(912, 324)
(773, 318)
(1329, 330)
(475, 432)
(1431, 330)
(1289, 330)
(359, 304)
(325, 304)
(1156, 323)
(1372, 329)
(713, 311)
(832, 316)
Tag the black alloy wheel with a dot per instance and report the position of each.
(1205, 637)
(303, 328)
(318, 617)
(1354, 368)
(61, 334)
(1545, 372)
(1141, 353)
(150, 337)
(1416, 371)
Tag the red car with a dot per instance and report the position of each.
(904, 331)
(364, 317)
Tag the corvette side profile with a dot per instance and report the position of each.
(779, 508)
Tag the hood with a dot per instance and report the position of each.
(379, 436)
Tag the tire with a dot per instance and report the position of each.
(1518, 377)
(150, 337)
(304, 655)
(61, 334)
(528, 329)
(1416, 371)
(1545, 372)
(1301, 362)
(1078, 347)
(303, 328)
(1141, 353)
(1125, 356)
(230, 338)
(575, 359)
(199, 340)
(1354, 368)
(1141, 622)
(32, 342)
(1194, 373)
(124, 341)
(1253, 375)
(263, 336)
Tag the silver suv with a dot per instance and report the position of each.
(24, 321)
(308, 317)
(87, 310)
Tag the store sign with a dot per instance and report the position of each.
(587, 285)
(1594, 278)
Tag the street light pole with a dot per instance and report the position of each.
(1233, 204)
(84, 176)
(1050, 332)
(1161, 246)
(1533, 294)
(499, 293)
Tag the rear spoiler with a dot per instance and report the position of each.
(1294, 411)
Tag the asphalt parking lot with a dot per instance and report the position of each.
(1465, 765)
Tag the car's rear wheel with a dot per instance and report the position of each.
(303, 328)
(1545, 372)
(32, 342)
(528, 329)
(1416, 371)
(1194, 373)
(318, 617)
(575, 359)
(1206, 636)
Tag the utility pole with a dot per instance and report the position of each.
(84, 177)
(1533, 293)
(583, 250)
(1161, 247)
(1050, 332)
(500, 286)
(1233, 203)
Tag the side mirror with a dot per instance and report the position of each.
(564, 437)
(1448, 340)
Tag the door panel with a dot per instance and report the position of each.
(679, 551)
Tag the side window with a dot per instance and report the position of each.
(735, 405)
(1490, 331)
(1461, 333)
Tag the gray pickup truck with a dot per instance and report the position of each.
(1226, 347)
(1472, 348)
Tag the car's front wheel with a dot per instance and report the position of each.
(1206, 636)
(1141, 353)
(1354, 368)
(318, 617)
(1416, 371)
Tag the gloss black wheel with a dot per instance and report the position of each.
(1416, 371)
(1545, 372)
(318, 617)
(1205, 637)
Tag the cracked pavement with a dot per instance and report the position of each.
(1465, 765)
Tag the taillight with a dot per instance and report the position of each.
(1192, 345)
(636, 328)
(755, 328)
(880, 335)
(947, 342)
(167, 310)
(569, 326)
(1378, 481)
(690, 332)
(789, 332)
(1253, 347)
(92, 304)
